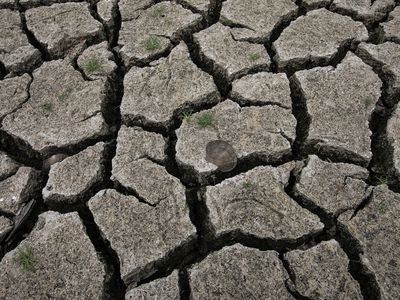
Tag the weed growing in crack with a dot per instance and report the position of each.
(47, 107)
(249, 186)
(152, 43)
(64, 95)
(186, 116)
(205, 120)
(369, 101)
(382, 180)
(93, 65)
(26, 259)
(254, 57)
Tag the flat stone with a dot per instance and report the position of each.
(230, 57)
(141, 234)
(316, 37)
(75, 175)
(163, 288)
(376, 227)
(17, 190)
(321, 272)
(97, 61)
(366, 10)
(60, 27)
(238, 272)
(250, 130)
(255, 203)
(151, 31)
(8, 166)
(13, 92)
(57, 249)
(262, 88)
(16, 53)
(55, 115)
(393, 132)
(340, 101)
(334, 187)
(261, 17)
(157, 93)
(387, 57)
(391, 28)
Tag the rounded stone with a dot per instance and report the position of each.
(221, 154)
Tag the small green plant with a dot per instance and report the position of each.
(26, 259)
(254, 56)
(381, 208)
(93, 65)
(47, 107)
(64, 95)
(152, 43)
(368, 101)
(249, 186)
(382, 180)
(186, 116)
(205, 120)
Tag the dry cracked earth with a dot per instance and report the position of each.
(107, 108)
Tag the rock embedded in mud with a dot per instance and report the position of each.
(163, 288)
(238, 272)
(316, 38)
(141, 234)
(255, 203)
(75, 175)
(376, 229)
(340, 122)
(321, 272)
(56, 260)
(221, 154)
(262, 131)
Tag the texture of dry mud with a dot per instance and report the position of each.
(106, 110)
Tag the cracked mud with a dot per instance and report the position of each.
(107, 190)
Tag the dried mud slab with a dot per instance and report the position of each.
(97, 61)
(238, 272)
(316, 38)
(155, 94)
(262, 88)
(17, 189)
(312, 4)
(340, 102)
(229, 57)
(376, 228)
(6, 226)
(393, 133)
(74, 176)
(391, 28)
(260, 131)
(321, 272)
(203, 6)
(256, 203)
(257, 18)
(61, 27)
(8, 166)
(334, 187)
(55, 115)
(13, 93)
(150, 33)
(163, 288)
(130, 10)
(141, 234)
(57, 260)
(366, 10)
(16, 53)
(385, 57)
